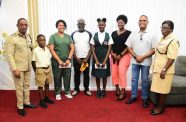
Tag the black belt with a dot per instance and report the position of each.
(43, 67)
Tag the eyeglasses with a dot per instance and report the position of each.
(165, 28)
(141, 37)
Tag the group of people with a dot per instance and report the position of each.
(114, 51)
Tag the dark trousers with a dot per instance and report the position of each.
(58, 74)
(77, 74)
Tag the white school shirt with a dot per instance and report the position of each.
(41, 57)
(101, 37)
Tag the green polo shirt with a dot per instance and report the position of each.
(61, 45)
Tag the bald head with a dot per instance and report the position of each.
(81, 21)
(81, 24)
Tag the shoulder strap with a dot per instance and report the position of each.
(30, 37)
(168, 46)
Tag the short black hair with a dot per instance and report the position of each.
(38, 36)
(103, 20)
(123, 18)
(20, 20)
(62, 22)
(170, 24)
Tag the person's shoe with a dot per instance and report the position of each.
(43, 104)
(103, 93)
(122, 95)
(58, 97)
(98, 94)
(74, 93)
(117, 91)
(21, 112)
(48, 100)
(88, 93)
(145, 103)
(69, 96)
(130, 100)
(30, 106)
(157, 112)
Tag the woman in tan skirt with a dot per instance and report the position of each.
(163, 65)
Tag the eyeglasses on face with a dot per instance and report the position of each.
(165, 28)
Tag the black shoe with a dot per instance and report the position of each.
(98, 94)
(145, 103)
(103, 93)
(21, 112)
(122, 95)
(48, 100)
(43, 104)
(30, 106)
(117, 91)
(155, 112)
(130, 100)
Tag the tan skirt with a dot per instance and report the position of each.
(159, 85)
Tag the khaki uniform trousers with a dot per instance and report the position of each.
(22, 85)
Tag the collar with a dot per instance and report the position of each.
(171, 35)
(146, 31)
(101, 32)
(19, 34)
(42, 48)
(81, 31)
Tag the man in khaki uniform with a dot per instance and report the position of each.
(18, 49)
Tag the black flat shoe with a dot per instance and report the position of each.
(21, 112)
(154, 112)
(131, 100)
(151, 110)
(98, 94)
(103, 93)
(48, 100)
(145, 103)
(30, 106)
(43, 104)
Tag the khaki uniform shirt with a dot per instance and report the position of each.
(167, 48)
(18, 51)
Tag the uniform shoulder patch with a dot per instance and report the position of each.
(14, 34)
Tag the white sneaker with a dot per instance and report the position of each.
(69, 96)
(88, 93)
(74, 93)
(58, 97)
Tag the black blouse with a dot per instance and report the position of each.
(119, 41)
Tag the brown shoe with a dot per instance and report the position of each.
(117, 91)
(122, 95)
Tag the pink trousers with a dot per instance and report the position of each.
(119, 71)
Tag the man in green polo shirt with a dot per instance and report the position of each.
(62, 49)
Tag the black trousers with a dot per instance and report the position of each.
(77, 74)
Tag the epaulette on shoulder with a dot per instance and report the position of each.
(14, 34)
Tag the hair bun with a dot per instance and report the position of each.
(98, 20)
(103, 19)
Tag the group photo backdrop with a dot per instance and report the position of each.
(49, 11)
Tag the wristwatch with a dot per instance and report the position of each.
(69, 59)
(164, 69)
(121, 54)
